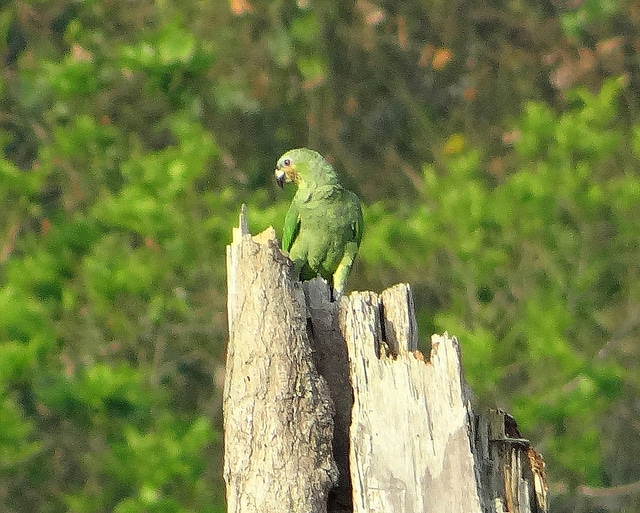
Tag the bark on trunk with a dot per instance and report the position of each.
(277, 410)
(314, 387)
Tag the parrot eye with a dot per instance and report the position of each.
(286, 162)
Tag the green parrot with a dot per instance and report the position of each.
(323, 227)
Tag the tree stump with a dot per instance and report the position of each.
(330, 406)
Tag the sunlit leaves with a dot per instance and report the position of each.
(17, 437)
(521, 264)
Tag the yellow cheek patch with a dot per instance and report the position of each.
(291, 173)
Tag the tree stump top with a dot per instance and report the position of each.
(330, 406)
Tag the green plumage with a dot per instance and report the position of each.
(323, 227)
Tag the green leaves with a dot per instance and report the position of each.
(102, 255)
(521, 267)
(500, 172)
(576, 134)
(148, 462)
(170, 57)
(17, 437)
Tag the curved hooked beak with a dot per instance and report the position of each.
(280, 177)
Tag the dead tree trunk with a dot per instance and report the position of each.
(313, 386)
(277, 410)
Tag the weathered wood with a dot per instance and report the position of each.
(405, 438)
(416, 445)
(277, 410)
(332, 361)
(410, 425)
(511, 473)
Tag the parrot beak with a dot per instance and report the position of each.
(285, 173)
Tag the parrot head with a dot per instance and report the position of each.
(304, 167)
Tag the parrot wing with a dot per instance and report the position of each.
(351, 244)
(291, 226)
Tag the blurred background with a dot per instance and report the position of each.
(496, 146)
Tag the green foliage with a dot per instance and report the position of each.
(533, 260)
(497, 157)
(17, 444)
(577, 21)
